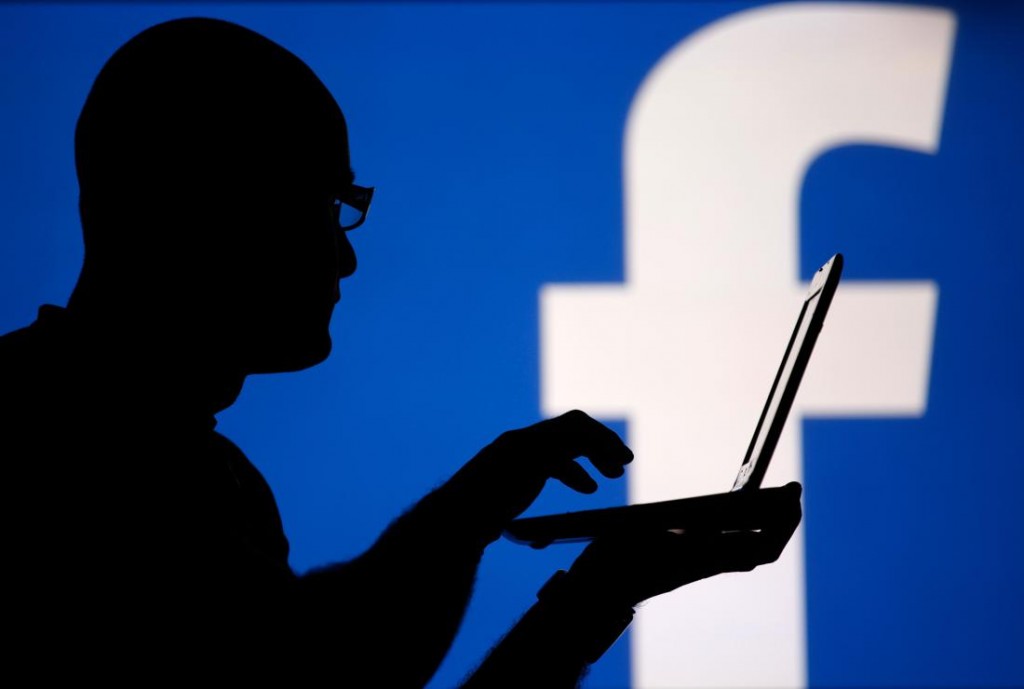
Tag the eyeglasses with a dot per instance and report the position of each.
(350, 208)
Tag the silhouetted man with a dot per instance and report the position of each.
(215, 188)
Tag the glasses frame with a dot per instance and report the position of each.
(359, 198)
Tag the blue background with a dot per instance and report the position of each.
(493, 133)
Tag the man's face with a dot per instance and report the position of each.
(245, 150)
(295, 257)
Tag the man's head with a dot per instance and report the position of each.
(208, 160)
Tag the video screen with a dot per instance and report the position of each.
(616, 207)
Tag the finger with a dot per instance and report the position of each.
(713, 554)
(736, 551)
(795, 488)
(638, 565)
(670, 560)
(782, 513)
(575, 434)
(741, 551)
(776, 535)
(775, 510)
(574, 476)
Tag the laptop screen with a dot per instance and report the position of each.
(782, 382)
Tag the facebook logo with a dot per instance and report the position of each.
(681, 349)
(617, 207)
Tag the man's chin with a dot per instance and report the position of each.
(297, 359)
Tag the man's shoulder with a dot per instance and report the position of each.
(18, 342)
(24, 350)
(27, 351)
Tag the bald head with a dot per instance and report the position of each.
(190, 105)
(208, 157)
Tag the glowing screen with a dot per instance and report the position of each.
(565, 194)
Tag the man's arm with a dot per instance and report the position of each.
(390, 615)
(579, 614)
(555, 642)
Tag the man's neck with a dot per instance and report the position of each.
(171, 367)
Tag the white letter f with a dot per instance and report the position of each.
(719, 138)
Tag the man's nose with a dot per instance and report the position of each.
(346, 256)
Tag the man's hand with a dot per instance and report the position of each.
(627, 569)
(507, 475)
(420, 572)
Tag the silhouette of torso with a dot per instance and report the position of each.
(132, 526)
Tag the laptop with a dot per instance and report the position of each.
(737, 509)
